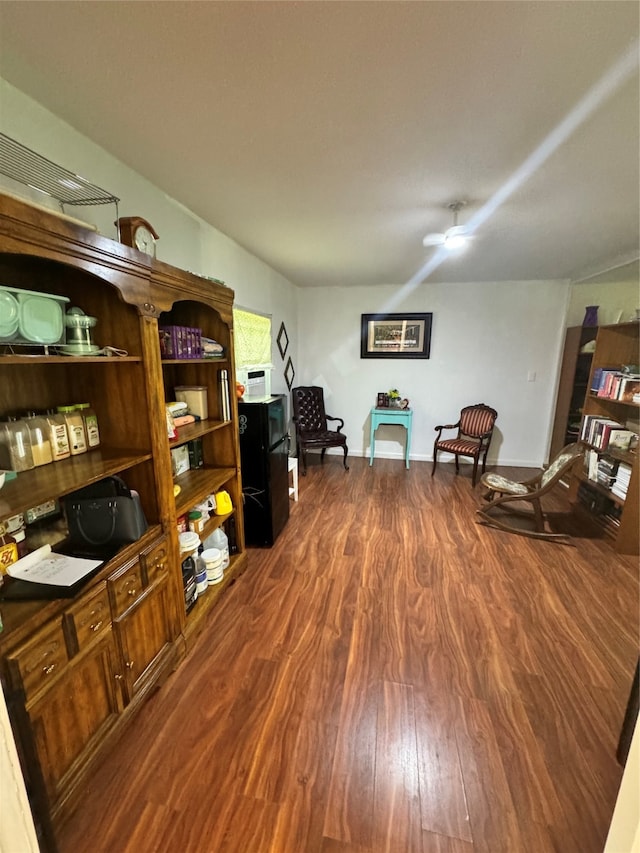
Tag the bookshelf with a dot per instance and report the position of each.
(609, 485)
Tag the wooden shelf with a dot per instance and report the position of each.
(34, 487)
(37, 360)
(139, 594)
(600, 489)
(224, 362)
(191, 431)
(197, 616)
(196, 484)
(616, 345)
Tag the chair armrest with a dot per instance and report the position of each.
(440, 427)
(329, 418)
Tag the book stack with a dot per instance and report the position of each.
(180, 342)
(596, 431)
(621, 483)
(606, 472)
(613, 384)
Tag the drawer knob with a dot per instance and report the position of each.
(130, 664)
(132, 591)
(47, 670)
(96, 626)
(119, 677)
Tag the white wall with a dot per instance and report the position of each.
(487, 337)
(486, 340)
(17, 832)
(617, 301)
(624, 832)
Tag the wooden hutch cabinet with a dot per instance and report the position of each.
(76, 670)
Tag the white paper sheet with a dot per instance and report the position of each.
(44, 566)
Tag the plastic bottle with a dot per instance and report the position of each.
(58, 435)
(17, 440)
(75, 428)
(39, 435)
(90, 425)
(219, 540)
(189, 544)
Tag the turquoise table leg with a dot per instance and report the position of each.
(408, 427)
(372, 439)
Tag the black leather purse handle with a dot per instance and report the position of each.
(112, 508)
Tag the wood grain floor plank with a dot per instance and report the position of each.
(488, 672)
(493, 817)
(433, 842)
(443, 803)
(396, 818)
(349, 814)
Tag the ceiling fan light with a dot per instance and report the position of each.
(455, 238)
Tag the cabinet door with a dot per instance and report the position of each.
(145, 633)
(69, 719)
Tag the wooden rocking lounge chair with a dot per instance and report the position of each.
(502, 494)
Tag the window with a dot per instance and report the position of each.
(252, 338)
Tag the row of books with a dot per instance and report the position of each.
(612, 384)
(611, 474)
(609, 513)
(606, 434)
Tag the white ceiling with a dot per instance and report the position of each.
(328, 137)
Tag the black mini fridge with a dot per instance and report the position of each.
(264, 458)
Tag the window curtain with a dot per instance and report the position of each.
(252, 339)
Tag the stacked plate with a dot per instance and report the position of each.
(27, 316)
(9, 315)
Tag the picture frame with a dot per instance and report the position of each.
(395, 335)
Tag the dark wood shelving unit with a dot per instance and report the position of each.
(616, 346)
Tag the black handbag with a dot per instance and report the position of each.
(104, 515)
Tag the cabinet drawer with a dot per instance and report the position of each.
(156, 560)
(125, 587)
(90, 617)
(38, 661)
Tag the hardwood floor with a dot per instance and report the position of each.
(390, 676)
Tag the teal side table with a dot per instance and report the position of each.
(401, 417)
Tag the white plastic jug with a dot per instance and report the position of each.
(218, 539)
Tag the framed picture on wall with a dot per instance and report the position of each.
(395, 335)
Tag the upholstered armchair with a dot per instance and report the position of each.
(312, 430)
(474, 431)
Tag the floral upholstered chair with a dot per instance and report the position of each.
(505, 497)
(475, 429)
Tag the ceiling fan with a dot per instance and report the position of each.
(455, 237)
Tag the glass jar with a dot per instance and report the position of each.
(196, 522)
(58, 435)
(90, 425)
(75, 428)
(17, 441)
(39, 435)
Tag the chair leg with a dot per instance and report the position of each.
(322, 452)
(457, 464)
(475, 471)
(303, 454)
(538, 514)
(346, 450)
(435, 459)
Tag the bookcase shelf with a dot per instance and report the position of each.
(102, 680)
(616, 346)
